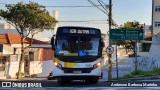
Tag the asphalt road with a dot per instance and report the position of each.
(102, 85)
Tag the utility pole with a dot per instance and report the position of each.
(109, 55)
(109, 15)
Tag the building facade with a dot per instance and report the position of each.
(38, 57)
(8, 28)
(156, 16)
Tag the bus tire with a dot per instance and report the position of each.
(49, 78)
(95, 80)
(61, 81)
(92, 80)
(87, 81)
(101, 75)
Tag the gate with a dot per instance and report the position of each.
(3, 60)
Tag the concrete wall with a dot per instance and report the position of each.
(151, 60)
(38, 68)
(12, 68)
(44, 65)
(41, 67)
(7, 49)
(47, 67)
(35, 67)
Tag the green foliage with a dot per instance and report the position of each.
(143, 73)
(138, 72)
(128, 76)
(30, 17)
(22, 74)
(132, 25)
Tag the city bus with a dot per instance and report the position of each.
(77, 54)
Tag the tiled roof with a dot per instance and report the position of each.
(3, 39)
(16, 39)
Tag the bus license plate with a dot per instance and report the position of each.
(77, 72)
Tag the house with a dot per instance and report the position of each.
(144, 45)
(43, 36)
(8, 28)
(38, 57)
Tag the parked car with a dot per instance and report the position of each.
(132, 55)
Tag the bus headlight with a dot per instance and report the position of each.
(55, 63)
(96, 65)
(58, 65)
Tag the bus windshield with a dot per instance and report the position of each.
(77, 46)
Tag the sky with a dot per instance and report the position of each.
(123, 11)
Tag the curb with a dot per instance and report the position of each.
(140, 78)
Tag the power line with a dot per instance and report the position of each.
(72, 6)
(63, 6)
(103, 10)
(84, 21)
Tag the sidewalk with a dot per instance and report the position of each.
(141, 77)
(114, 62)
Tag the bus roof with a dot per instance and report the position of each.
(77, 30)
(78, 27)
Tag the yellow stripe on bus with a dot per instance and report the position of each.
(66, 64)
(69, 65)
(57, 60)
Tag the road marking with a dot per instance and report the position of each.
(122, 66)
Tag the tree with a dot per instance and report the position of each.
(132, 25)
(31, 18)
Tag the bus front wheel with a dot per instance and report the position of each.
(61, 81)
(92, 80)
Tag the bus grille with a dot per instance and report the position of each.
(83, 70)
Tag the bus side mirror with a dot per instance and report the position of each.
(53, 43)
(102, 44)
(53, 47)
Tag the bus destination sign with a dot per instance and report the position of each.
(79, 31)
